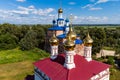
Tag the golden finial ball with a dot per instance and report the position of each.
(60, 10)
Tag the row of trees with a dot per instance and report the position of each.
(25, 36)
(102, 36)
(30, 36)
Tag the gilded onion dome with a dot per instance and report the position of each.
(71, 33)
(69, 44)
(88, 39)
(53, 40)
(60, 10)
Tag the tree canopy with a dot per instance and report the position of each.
(31, 36)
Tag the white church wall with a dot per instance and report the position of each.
(104, 75)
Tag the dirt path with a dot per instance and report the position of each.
(16, 71)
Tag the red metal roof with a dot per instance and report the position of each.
(84, 70)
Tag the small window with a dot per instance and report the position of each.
(59, 22)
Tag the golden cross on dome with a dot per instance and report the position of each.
(71, 18)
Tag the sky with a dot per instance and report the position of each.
(44, 11)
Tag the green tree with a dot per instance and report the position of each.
(8, 41)
(40, 35)
(110, 60)
(29, 41)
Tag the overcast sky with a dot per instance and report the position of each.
(44, 11)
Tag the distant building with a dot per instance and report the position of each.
(69, 65)
(104, 53)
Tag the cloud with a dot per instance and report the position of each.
(101, 1)
(97, 8)
(92, 6)
(20, 0)
(29, 8)
(87, 6)
(20, 16)
(104, 1)
(90, 19)
(20, 12)
(43, 12)
(32, 10)
(71, 3)
(27, 15)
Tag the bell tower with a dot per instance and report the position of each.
(60, 20)
(54, 47)
(60, 11)
(88, 47)
(69, 53)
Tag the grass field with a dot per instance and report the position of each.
(16, 71)
(16, 55)
(16, 64)
(115, 73)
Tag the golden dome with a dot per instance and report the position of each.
(88, 39)
(71, 33)
(69, 44)
(60, 10)
(53, 40)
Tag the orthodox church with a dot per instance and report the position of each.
(60, 28)
(69, 65)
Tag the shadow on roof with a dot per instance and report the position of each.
(60, 59)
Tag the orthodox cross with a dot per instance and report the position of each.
(71, 18)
